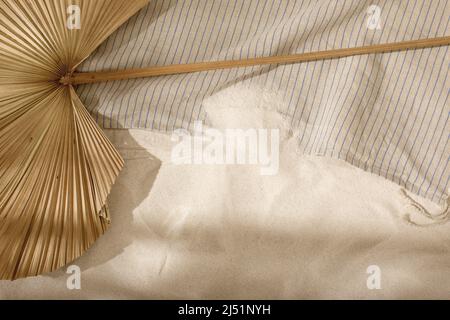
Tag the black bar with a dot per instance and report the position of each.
(222, 309)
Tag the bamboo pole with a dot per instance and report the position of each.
(92, 77)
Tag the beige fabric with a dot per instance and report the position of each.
(385, 113)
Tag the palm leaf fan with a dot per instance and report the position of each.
(56, 165)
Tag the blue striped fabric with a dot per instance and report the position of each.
(385, 113)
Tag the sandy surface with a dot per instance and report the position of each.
(225, 231)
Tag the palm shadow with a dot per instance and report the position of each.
(131, 187)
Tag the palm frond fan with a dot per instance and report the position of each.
(56, 165)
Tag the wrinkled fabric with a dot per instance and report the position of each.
(385, 113)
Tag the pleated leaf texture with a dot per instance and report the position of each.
(56, 165)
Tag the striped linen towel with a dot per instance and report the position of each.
(385, 113)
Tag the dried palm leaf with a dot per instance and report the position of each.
(56, 165)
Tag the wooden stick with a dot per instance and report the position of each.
(91, 77)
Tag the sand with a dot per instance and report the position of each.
(225, 231)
